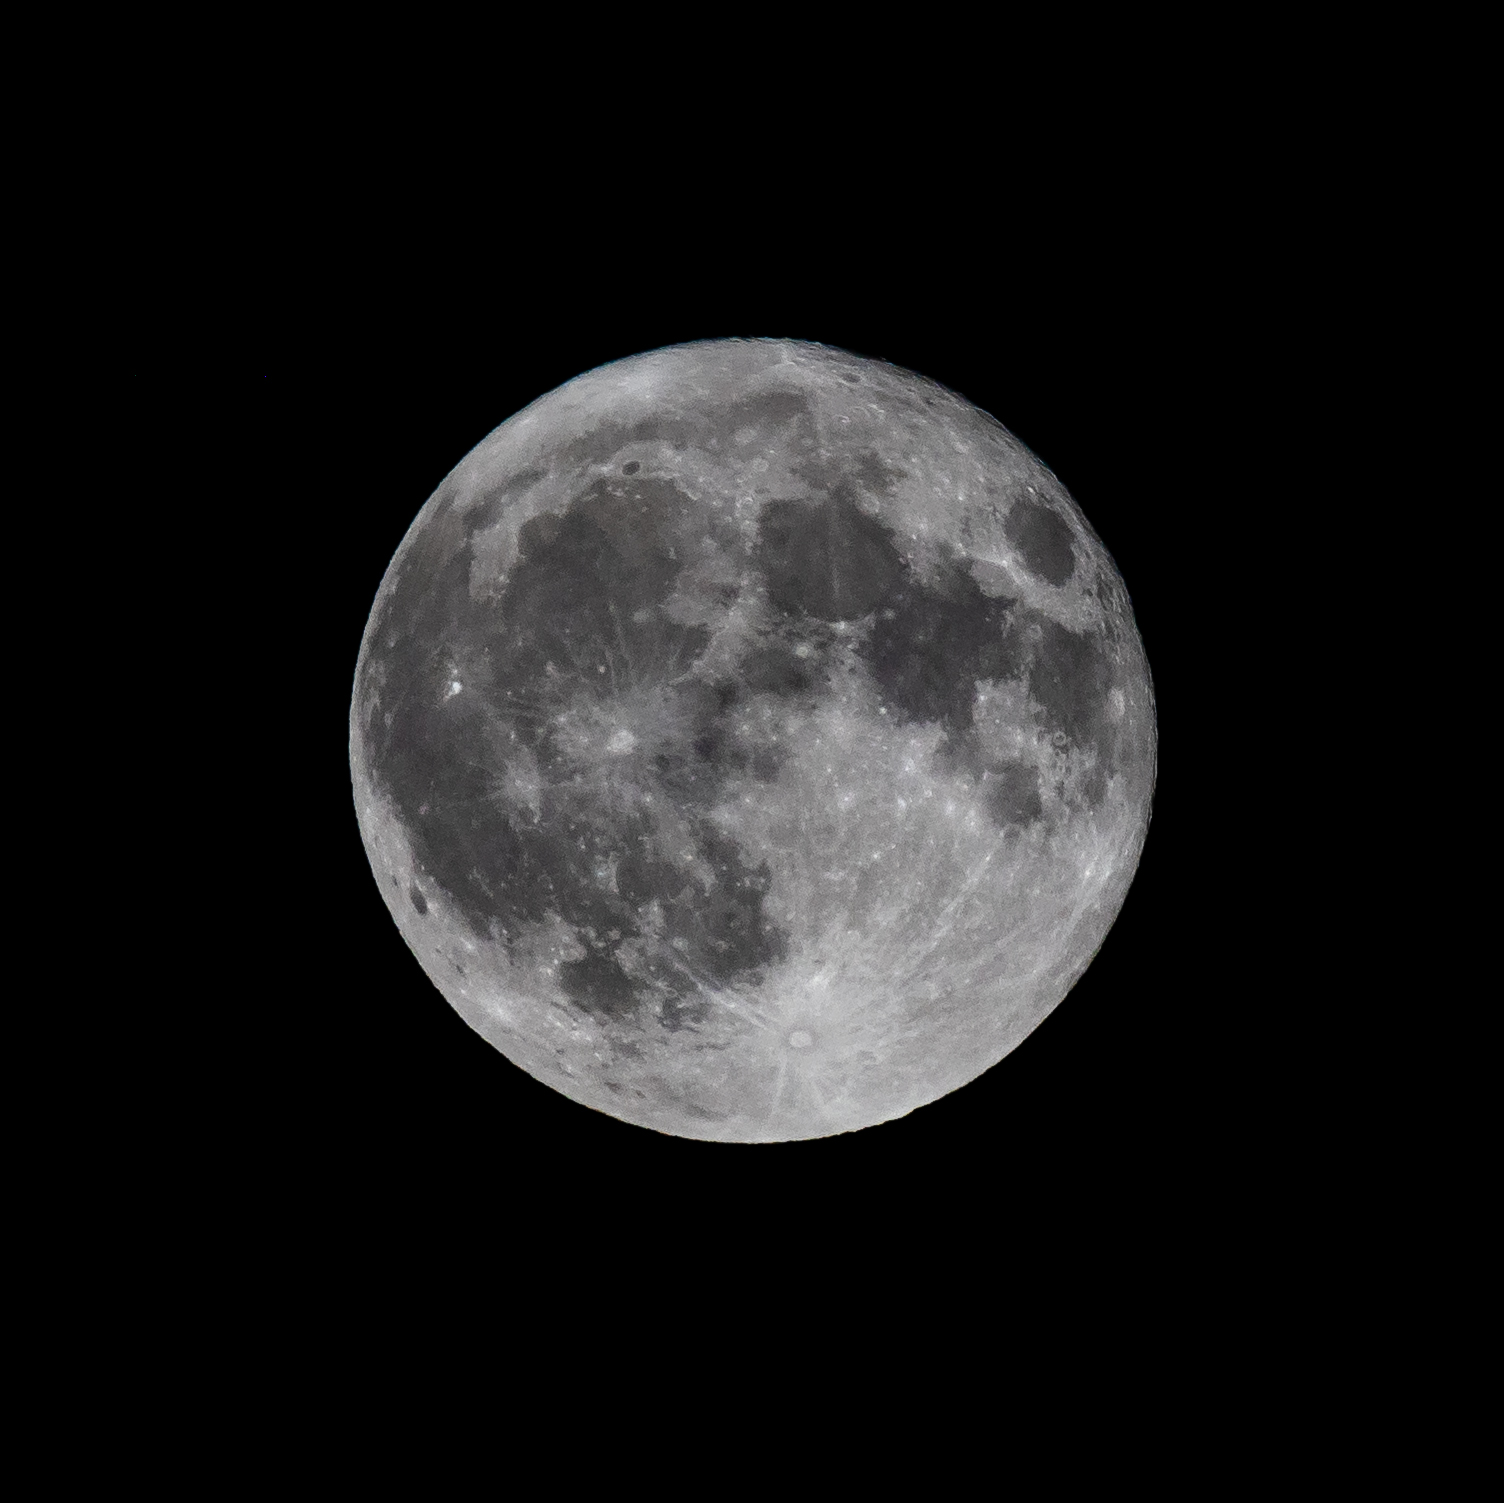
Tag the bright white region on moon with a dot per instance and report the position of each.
(752, 741)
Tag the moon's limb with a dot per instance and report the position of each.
(752, 741)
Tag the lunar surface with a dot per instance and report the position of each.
(752, 741)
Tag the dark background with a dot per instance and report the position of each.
(1121, 372)
(301, 1136)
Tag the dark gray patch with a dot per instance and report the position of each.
(850, 472)
(677, 430)
(828, 560)
(417, 899)
(772, 409)
(875, 476)
(1094, 783)
(767, 763)
(1043, 539)
(724, 928)
(631, 467)
(699, 1113)
(488, 509)
(586, 590)
(718, 930)
(1070, 677)
(715, 742)
(594, 446)
(579, 615)
(716, 746)
(719, 749)
(775, 670)
(641, 877)
(931, 643)
(572, 601)
(598, 985)
(1011, 790)
(677, 1012)
(688, 777)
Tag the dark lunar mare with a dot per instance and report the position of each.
(1043, 539)
(931, 641)
(828, 560)
(1012, 790)
(577, 618)
(1071, 677)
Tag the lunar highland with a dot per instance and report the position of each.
(752, 741)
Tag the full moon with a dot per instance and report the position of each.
(752, 741)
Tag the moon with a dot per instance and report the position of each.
(752, 741)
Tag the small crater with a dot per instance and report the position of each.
(417, 899)
(801, 1038)
(631, 467)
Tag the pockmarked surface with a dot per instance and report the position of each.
(752, 741)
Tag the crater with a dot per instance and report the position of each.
(1043, 539)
